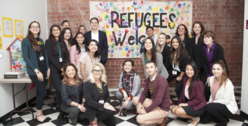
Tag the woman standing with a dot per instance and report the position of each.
(77, 49)
(97, 97)
(197, 31)
(82, 29)
(35, 56)
(222, 103)
(187, 43)
(72, 101)
(164, 50)
(58, 55)
(192, 101)
(129, 87)
(178, 58)
(211, 52)
(91, 56)
(150, 54)
(66, 35)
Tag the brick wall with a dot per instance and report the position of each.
(224, 17)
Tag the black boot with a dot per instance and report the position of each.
(61, 113)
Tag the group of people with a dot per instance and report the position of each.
(75, 67)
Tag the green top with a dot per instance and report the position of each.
(59, 49)
(29, 56)
(146, 58)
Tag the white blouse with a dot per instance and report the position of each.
(186, 92)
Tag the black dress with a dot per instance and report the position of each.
(189, 46)
(197, 57)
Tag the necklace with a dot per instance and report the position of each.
(152, 85)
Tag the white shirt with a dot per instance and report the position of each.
(175, 66)
(153, 77)
(95, 36)
(225, 95)
(186, 92)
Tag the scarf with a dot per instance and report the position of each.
(127, 81)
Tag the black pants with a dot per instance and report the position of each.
(40, 89)
(179, 86)
(106, 116)
(207, 92)
(216, 112)
(56, 80)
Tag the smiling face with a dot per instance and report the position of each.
(70, 72)
(217, 70)
(128, 67)
(97, 72)
(67, 34)
(94, 24)
(80, 38)
(151, 69)
(161, 39)
(34, 28)
(93, 46)
(82, 29)
(150, 32)
(148, 44)
(56, 31)
(197, 29)
(181, 30)
(189, 71)
(208, 40)
(175, 44)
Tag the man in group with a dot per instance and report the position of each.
(156, 109)
(100, 37)
(150, 33)
(65, 24)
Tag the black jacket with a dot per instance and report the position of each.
(92, 97)
(54, 64)
(189, 46)
(218, 54)
(197, 57)
(166, 57)
(70, 94)
(103, 44)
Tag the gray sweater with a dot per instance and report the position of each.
(160, 66)
(136, 91)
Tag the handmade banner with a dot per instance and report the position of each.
(125, 22)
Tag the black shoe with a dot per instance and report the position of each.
(61, 115)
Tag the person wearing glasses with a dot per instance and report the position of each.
(35, 55)
(91, 56)
(98, 108)
(100, 37)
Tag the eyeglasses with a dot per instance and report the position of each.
(35, 27)
(97, 71)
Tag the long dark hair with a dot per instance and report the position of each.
(97, 53)
(76, 43)
(186, 34)
(54, 42)
(180, 51)
(154, 55)
(70, 40)
(32, 39)
(195, 76)
(202, 29)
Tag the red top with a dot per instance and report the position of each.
(160, 96)
(214, 90)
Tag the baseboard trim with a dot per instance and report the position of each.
(243, 114)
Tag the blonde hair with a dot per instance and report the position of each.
(158, 48)
(103, 77)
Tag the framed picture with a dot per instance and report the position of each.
(7, 27)
(19, 29)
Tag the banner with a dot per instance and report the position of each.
(125, 22)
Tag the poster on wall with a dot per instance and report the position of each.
(7, 27)
(19, 29)
(125, 22)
